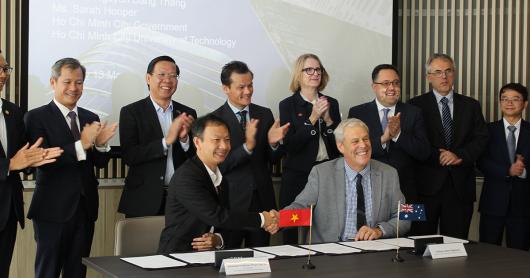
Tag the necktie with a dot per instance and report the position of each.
(511, 143)
(361, 215)
(447, 122)
(384, 121)
(243, 119)
(73, 125)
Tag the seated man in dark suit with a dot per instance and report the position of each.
(197, 203)
(355, 197)
(505, 199)
(396, 129)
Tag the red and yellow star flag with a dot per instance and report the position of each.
(295, 217)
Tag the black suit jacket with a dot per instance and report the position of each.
(502, 193)
(245, 172)
(193, 207)
(301, 141)
(141, 143)
(412, 145)
(470, 136)
(59, 184)
(10, 184)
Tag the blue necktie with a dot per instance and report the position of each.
(384, 121)
(447, 122)
(511, 143)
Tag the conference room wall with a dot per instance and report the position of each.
(488, 39)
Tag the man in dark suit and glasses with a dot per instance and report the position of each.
(15, 155)
(397, 131)
(154, 140)
(65, 202)
(255, 137)
(505, 199)
(198, 212)
(458, 134)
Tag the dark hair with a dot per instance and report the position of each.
(518, 87)
(234, 66)
(199, 125)
(69, 63)
(153, 63)
(381, 67)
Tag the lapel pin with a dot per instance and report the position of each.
(6, 112)
(300, 114)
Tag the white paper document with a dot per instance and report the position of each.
(401, 242)
(154, 262)
(206, 257)
(285, 250)
(447, 239)
(332, 248)
(369, 245)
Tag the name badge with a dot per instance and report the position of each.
(446, 250)
(245, 266)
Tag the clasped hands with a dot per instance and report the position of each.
(271, 219)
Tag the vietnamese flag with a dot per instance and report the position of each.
(295, 217)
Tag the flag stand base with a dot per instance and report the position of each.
(397, 258)
(308, 266)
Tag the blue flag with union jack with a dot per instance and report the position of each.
(412, 212)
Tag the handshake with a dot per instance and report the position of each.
(271, 219)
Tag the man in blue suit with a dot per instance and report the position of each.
(505, 199)
(65, 203)
(397, 132)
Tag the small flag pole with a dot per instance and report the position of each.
(397, 258)
(309, 265)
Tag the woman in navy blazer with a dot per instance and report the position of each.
(310, 140)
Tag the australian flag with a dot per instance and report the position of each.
(412, 212)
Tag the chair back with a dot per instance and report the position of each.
(138, 236)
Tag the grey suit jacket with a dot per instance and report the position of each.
(326, 189)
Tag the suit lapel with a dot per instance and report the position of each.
(499, 136)
(10, 128)
(237, 135)
(151, 117)
(458, 113)
(61, 120)
(524, 136)
(209, 185)
(376, 178)
(340, 193)
(374, 120)
(434, 112)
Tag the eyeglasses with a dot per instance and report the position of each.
(386, 84)
(6, 69)
(161, 76)
(511, 100)
(439, 73)
(311, 71)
